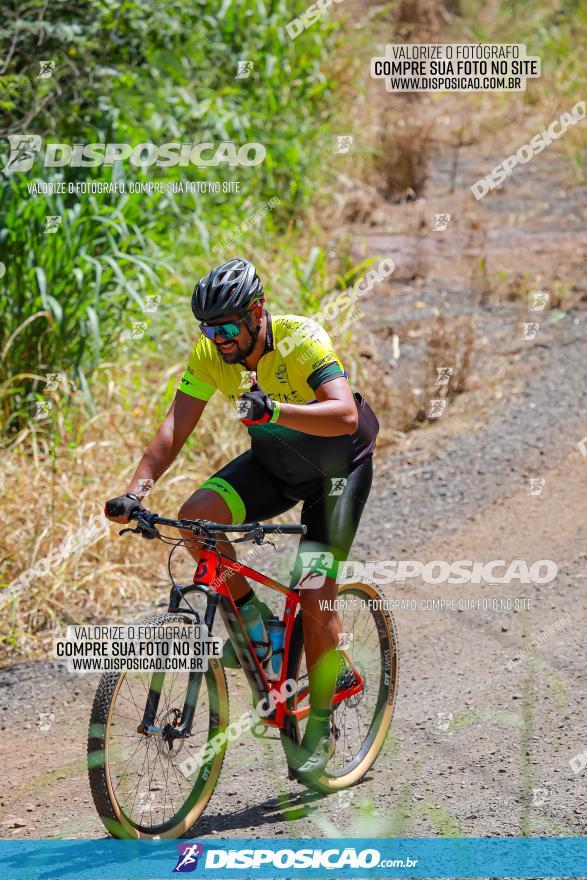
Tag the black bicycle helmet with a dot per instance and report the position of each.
(226, 290)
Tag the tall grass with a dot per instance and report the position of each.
(157, 71)
(66, 293)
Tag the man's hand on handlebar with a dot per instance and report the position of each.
(119, 509)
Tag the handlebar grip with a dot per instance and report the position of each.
(289, 530)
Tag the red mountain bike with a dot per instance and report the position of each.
(146, 728)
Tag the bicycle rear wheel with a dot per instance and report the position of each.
(137, 785)
(360, 722)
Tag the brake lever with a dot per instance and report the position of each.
(142, 528)
(147, 531)
(124, 531)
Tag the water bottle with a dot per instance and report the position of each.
(255, 627)
(276, 633)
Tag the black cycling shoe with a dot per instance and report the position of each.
(315, 762)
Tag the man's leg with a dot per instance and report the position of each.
(239, 492)
(332, 521)
(208, 504)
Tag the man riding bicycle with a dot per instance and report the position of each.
(312, 440)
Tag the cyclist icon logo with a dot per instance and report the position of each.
(315, 568)
(23, 151)
(188, 857)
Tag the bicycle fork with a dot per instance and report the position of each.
(184, 726)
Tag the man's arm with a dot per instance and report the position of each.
(333, 415)
(182, 418)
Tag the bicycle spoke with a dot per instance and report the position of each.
(146, 781)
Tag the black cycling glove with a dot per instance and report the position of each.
(256, 407)
(124, 505)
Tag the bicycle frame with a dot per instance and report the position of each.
(210, 579)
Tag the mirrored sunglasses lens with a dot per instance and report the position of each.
(209, 332)
(227, 331)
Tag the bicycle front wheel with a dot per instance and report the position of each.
(360, 722)
(141, 784)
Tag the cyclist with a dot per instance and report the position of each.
(312, 441)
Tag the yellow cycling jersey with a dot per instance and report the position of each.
(298, 357)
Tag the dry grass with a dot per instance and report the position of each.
(425, 13)
(404, 148)
(403, 389)
(52, 489)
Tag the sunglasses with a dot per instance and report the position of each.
(227, 331)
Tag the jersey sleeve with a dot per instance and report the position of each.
(197, 380)
(315, 356)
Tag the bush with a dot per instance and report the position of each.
(139, 72)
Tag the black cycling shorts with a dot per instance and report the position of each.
(332, 504)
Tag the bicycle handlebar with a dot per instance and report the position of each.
(146, 522)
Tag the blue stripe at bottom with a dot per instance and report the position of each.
(292, 858)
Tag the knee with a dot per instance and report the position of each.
(184, 511)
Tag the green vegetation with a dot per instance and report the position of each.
(155, 71)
